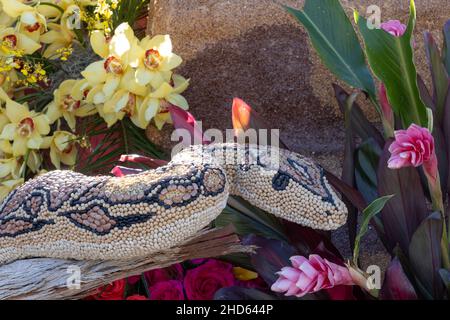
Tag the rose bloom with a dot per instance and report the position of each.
(174, 272)
(137, 297)
(202, 282)
(310, 275)
(412, 147)
(113, 291)
(394, 27)
(167, 290)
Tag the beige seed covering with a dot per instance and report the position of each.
(64, 214)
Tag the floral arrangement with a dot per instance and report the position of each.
(47, 119)
(198, 279)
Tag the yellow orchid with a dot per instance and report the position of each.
(123, 103)
(7, 185)
(154, 105)
(62, 148)
(5, 19)
(31, 23)
(65, 105)
(56, 38)
(156, 60)
(9, 167)
(26, 128)
(14, 43)
(34, 160)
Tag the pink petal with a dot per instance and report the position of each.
(297, 261)
(309, 270)
(304, 282)
(289, 273)
(281, 285)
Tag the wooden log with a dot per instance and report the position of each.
(47, 279)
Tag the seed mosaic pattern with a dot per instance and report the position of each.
(64, 214)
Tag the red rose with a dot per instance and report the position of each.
(137, 297)
(174, 272)
(202, 282)
(113, 291)
(167, 290)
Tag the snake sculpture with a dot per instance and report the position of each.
(64, 214)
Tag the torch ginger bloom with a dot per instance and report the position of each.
(412, 147)
(394, 27)
(310, 275)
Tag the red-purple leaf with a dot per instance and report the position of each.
(425, 255)
(244, 118)
(446, 129)
(341, 293)
(348, 192)
(307, 240)
(149, 162)
(183, 120)
(425, 94)
(446, 52)
(270, 257)
(438, 74)
(396, 285)
(361, 126)
(120, 171)
(405, 211)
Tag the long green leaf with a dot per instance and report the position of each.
(336, 42)
(371, 211)
(391, 59)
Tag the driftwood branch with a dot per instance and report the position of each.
(44, 278)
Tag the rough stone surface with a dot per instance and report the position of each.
(254, 50)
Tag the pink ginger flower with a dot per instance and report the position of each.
(310, 275)
(412, 147)
(394, 27)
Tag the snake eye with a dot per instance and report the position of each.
(280, 181)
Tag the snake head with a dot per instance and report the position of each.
(290, 186)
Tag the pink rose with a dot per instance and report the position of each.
(412, 147)
(174, 272)
(309, 276)
(202, 282)
(167, 290)
(133, 280)
(394, 27)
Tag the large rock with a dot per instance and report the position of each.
(254, 50)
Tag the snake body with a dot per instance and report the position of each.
(64, 214)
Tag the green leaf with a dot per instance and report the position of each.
(391, 59)
(371, 211)
(336, 42)
(367, 158)
(248, 219)
(438, 73)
